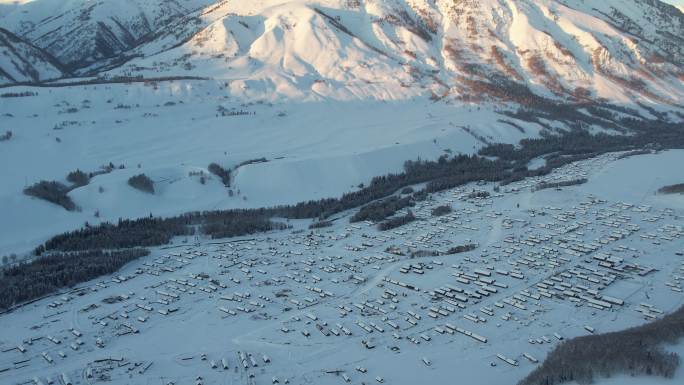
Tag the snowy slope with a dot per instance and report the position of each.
(22, 62)
(377, 49)
(81, 32)
(332, 92)
(398, 49)
(315, 150)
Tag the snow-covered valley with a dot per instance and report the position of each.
(314, 150)
(334, 304)
(570, 114)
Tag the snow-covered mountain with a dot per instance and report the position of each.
(353, 49)
(83, 33)
(22, 62)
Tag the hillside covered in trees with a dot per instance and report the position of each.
(672, 189)
(635, 351)
(494, 163)
(45, 275)
(385, 195)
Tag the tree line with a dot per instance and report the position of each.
(220, 172)
(126, 233)
(395, 222)
(382, 209)
(441, 210)
(78, 178)
(142, 182)
(495, 163)
(500, 163)
(634, 351)
(17, 94)
(451, 251)
(565, 183)
(53, 192)
(47, 274)
(241, 225)
(672, 189)
(320, 224)
(57, 192)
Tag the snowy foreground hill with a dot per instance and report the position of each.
(124, 109)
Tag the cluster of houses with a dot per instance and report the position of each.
(465, 277)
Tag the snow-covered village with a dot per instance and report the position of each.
(341, 191)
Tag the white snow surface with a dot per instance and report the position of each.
(315, 150)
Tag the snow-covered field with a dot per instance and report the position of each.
(320, 307)
(315, 149)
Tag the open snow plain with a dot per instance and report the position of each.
(169, 130)
(349, 303)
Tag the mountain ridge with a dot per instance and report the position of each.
(21, 61)
(348, 49)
